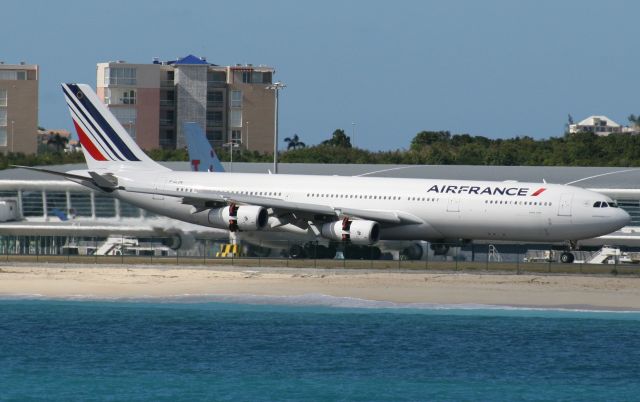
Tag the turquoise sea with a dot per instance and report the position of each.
(313, 349)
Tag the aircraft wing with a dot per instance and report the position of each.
(208, 199)
(94, 229)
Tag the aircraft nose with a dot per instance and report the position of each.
(623, 217)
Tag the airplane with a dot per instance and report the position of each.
(355, 210)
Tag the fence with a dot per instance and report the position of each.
(516, 259)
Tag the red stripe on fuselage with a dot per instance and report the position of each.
(538, 192)
(88, 145)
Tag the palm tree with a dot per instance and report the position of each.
(294, 142)
(58, 142)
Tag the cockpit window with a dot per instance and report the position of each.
(613, 205)
(597, 204)
(604, 205)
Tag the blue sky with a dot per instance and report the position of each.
(494, 68)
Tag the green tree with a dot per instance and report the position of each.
(339, 139)
(57, 142)
(427, 138)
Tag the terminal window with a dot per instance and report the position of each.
(105, 206)
(129, 211)
(81, 204)
(32, 203)
(56, 200)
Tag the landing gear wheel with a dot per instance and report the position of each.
(296, 251)
(566, 258)
(439, 249)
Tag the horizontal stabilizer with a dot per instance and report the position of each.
(93, 180)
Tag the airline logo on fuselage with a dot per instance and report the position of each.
(487, 190)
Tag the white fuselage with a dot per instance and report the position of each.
(449, 209)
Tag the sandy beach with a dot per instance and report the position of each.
(100, 282)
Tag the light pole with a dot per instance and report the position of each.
(130, 126)
(12, 135)
(277, 86)
(353, 134)
(231, 144)
(247, 146)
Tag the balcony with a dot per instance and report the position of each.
(216, 84)
(167, 122)
(214, 123)
(168, 102)
(167, 83)
(118, 81)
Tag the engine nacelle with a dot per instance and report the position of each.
(356, 232)
(243, 217)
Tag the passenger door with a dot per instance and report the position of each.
(453, 205)
(564, 209)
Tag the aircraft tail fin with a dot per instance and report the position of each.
(105, 143)
(202, 156)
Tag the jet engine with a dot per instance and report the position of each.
(354, 231)
(239, 217)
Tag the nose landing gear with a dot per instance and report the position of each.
(567, 257)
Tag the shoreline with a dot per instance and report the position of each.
(527, 291)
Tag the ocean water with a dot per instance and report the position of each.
(312, 349)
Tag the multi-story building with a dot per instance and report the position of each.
(233, 104)
(18, 108)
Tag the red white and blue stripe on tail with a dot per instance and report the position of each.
(101, 136)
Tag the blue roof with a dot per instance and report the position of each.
(190, 59)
